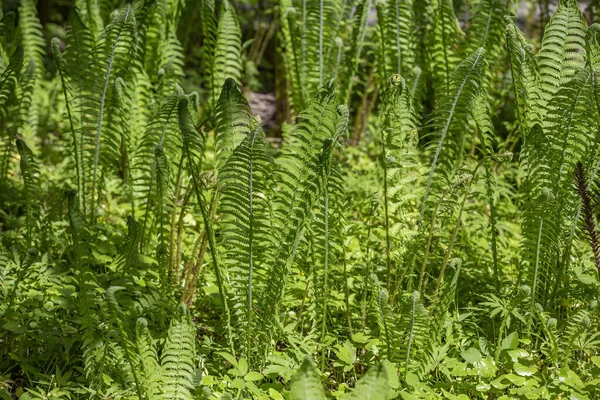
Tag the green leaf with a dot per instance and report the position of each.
(306, 383)
(524, 370)
(15, 326)
(372, 386)
(253, 376)
(471, 355)
(510, 342)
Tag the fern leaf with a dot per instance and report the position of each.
(149, 366)
(300, 174)
(359, 30)
(227, 54)
(563, 51)
(232, 120)
(450, 119)
(245, 229)
(398, 140)
(9, 80)
(103, 135)
(396, 25)
(193, 144)
(444, 38)
(30, 172)
(177, 359)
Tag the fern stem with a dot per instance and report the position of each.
(320, 43)
(325, 277)
(249, 333)
(174, 217)
(535, 272)
(388, 259)
(383, 320)
(411, 335)
(58, 59)
(398, 48)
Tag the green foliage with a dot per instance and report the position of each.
(198, 199)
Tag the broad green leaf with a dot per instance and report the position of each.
(471, 355)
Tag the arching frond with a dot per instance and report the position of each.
(232, 120)
(450, 119)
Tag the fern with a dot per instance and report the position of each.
(396, 25)
(177, 359)
(562, 53)
(9, 80)
(352, 57)
(450, 119)
(223, 48)
(245, 228)
(161, 132)
(301, 177)
(232, 122)
(326, 219)
(404, 328)
(30, 172)
(444, 38)
(149, 367)
(101, 106)
(193, 146)
(398, 134)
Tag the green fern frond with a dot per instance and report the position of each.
(232, 122)
(245, 230)
(161, 132)
(404, 327)
(563, 51)
(150, 369)
(292, 45)
(103, 134)
(300, 172)
(396, 26)
(67, 92)
(525, 73)
(227, 57)
(32, 38)
(451, 118)
(352, 57)
(444, 39)
(398, 142)
(90, 15)
(30, 173)
(486, 27)
(79, 231)
(177, 359)
(9, 80)
(193, 146)
(593, 46)
(7, 30)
